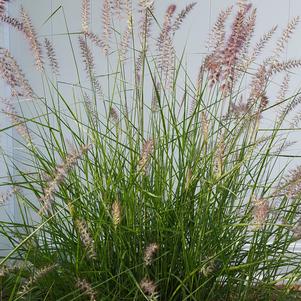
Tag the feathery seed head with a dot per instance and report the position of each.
(218, 33)
(258, 48)
(94, 38)
(86, 288)
(114, 116)
(86, 238)
(41, 273)
(14, 22)
(124, 44)
(188, 178)
(51, 56)
(6, 195)
(85, 15)
(226, 53)
(116, 213)
(147, 150)
(3, 6)
(261, 210)
(210, 267)
(61, 171)
(149, 288)
(171, 9)
(205, 127)
(88, 60)
(297, 230)
(32, 37)
(182, 15)
(17, 121)
(277, 67)
(149, 253)
(291, 186)
(11, 72)
(239, 110)
(106, 22)
(117, 7)
(285, 37)
(146, 4)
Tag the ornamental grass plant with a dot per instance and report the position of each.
(138, 181)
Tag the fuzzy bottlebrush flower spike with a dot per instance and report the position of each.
(94, 38)
(149, 288)
(117, 7)
(86, 238)
(167, 27)
(13, 22)
(250, 28)
(61, 171)
(3, 6)
(116, 213)
(155, 105)
(128, 7)
(17, 121)
(291, 186)
(297, 230)
(181, 16)
(86, 288)
(258, 48)
(88, 60)
(235, 44)
(278, 67)
(257, 99)
(11, 72)
(147, 150)
(239, 110)
(261, 211)
(5, 196)
(165, 43)
(218, 32)
(124, 44)
(106, 23)
(149, 253)
(35, 278)
(90, 107)
(281, 96)
(205, 127)
(32, 37)
(146, 9)
(285, 37)
(114, 116)
(87, 55)
(85, 15)
(54, 64)
(222, 61)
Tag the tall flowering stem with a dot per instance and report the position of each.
(17, 121)
(147, 150)
(32, 37)
(54, 64)
(106, 22)
(61, 172)
(86, 238)
(12, 73)
(149, 253)
(85, 15)
(86, 289)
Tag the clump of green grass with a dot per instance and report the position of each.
(144, 183)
